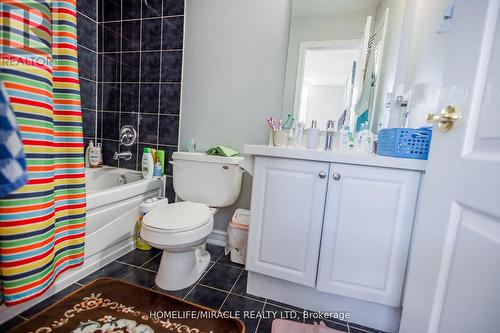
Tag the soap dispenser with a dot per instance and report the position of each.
(313, 136)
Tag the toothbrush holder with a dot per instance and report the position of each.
(280, 138)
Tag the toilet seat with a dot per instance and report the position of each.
(178, 217)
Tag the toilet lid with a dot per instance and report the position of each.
(179, 216)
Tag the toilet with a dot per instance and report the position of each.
(203, 184)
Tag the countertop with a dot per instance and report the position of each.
(336, 157)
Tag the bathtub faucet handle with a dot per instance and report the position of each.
(126, 155)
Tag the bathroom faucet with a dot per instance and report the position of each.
(126, 155)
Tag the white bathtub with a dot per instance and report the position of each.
(113, 199)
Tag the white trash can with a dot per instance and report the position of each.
(237, 233)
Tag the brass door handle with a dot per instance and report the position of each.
(446, 119)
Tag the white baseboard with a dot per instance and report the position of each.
(217, 237)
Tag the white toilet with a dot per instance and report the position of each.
(203, 183)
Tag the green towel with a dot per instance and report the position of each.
(222, 151)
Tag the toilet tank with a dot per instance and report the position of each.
(212, 180)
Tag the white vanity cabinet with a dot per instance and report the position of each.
(334, 228)
(288, 200)
(366, 232)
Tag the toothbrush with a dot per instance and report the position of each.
(289, 121)
(271, 123)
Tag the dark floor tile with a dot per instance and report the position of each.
(137, 257)
(240, 288)
(150, 95)
(356, 328)
(88, 93)
(206, 296)
(242, 304)
(49, 301)
(226, 259)
(150, 67)
(154, 263)
(113, 270)
(332, 324)
(11, 323)
(142, 278)
(130, 66)
(111, 126)
(112, 35)
(129, 101)
(88, 123)
(215, 251)
(176, 293)
(221, 276)
(87, 62)
(274, 312)
(284, 305)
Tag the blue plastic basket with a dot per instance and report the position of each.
(405, 142)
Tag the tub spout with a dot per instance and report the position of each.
(126, 155)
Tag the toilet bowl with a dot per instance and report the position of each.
(181, 229)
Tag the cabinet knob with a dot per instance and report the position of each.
(336, 176)
(322, 174)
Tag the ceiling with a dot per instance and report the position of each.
(325, 7)
(328, 67)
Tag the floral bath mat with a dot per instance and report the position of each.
(109, 305)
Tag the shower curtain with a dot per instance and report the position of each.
(42, 225)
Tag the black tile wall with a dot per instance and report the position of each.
(87, 63)
(130, 58)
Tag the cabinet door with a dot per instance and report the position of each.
(288, 200)
(366, 233)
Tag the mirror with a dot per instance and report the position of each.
(342, 60)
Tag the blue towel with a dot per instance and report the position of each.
(13, 173)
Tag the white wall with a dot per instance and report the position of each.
(234, 68)
(423, 57)
(315, 28)
(389, 64)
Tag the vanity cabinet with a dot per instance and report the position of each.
(338, 228)
(288, 200)
(366, 232)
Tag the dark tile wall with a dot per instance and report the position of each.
(87, 62)
(138, 81)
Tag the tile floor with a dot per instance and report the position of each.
(222, 287)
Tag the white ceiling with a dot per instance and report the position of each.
(328, 67)
(324, 7)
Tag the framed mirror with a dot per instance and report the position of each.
(342, 59)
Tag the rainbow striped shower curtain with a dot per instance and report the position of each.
(42, 225)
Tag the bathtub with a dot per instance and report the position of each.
(113, 199)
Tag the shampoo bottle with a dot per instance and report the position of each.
(147, 164)
(94, 157)
(87, 154)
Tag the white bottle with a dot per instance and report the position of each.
(99, 148)
(345, 139)
(94, 157)
(147, 164)
(313, 136)
(87, 154)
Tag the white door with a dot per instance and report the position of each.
(454, 274)
(288, 200)
(366, 232)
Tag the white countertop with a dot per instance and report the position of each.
(335, 157)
